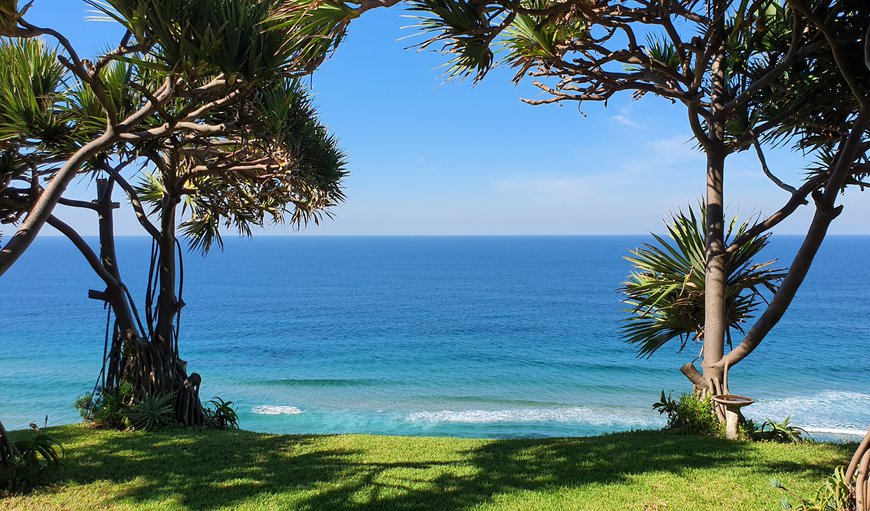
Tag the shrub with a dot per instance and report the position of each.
(689, 414)
(106, 408)
(117, 409)
(222, 416)
(36, 455)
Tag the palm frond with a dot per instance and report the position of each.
(665, 291)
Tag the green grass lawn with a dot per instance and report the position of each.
(646, 470)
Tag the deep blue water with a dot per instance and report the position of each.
(468, 336)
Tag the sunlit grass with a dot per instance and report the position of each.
(648, 470)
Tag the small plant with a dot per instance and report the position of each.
(106, 408)
(152, 413)
(85, 406)
(689, 414)
(782, 432)
(665, 405)
(222, 416)
(835, 495)
(32, 459)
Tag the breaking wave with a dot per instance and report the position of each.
(321, 382)
(576, 415)
(276, 410)
(829, 412)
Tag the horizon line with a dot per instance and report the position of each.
(433, 235)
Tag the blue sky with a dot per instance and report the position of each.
(428, 157)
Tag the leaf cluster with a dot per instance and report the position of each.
(279, 164)
(34, 127)
(232, 137)
(36, 455)
(666, 287)
(221, 414)
(196, 38)
(152, 413)
(783, 432)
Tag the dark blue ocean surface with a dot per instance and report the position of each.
(467, 336)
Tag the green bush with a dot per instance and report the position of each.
(117, 409)
(689, 414)
(222, 416)
(36, 455)
(106, 408)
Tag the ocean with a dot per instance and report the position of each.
(478, 336)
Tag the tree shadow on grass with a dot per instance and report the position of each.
(350, 473)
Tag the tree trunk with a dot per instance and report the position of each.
(7, 448)
(783, 297)
(167, 302)
(715, 278)
(155, 368)
(125, 327)
(715, 324)
(826, 211)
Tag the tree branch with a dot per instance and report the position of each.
(763, 161)
(49, 198)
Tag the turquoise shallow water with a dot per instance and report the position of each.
(467, 336)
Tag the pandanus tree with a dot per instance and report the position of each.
(749, 74)
(198, 116)
(203, 53)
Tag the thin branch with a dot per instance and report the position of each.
(139, 210)
(86, 251)
(63, 201)
(798, 198)
(778, 182)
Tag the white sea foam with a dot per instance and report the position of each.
(577, 415)
(829, 412)
(837, 431)
(276, 410)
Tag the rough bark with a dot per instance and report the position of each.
(7, 448)
(691, 372)
(167, 301)
(156, 371)
(715, 277)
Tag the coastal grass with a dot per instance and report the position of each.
(211, 470)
